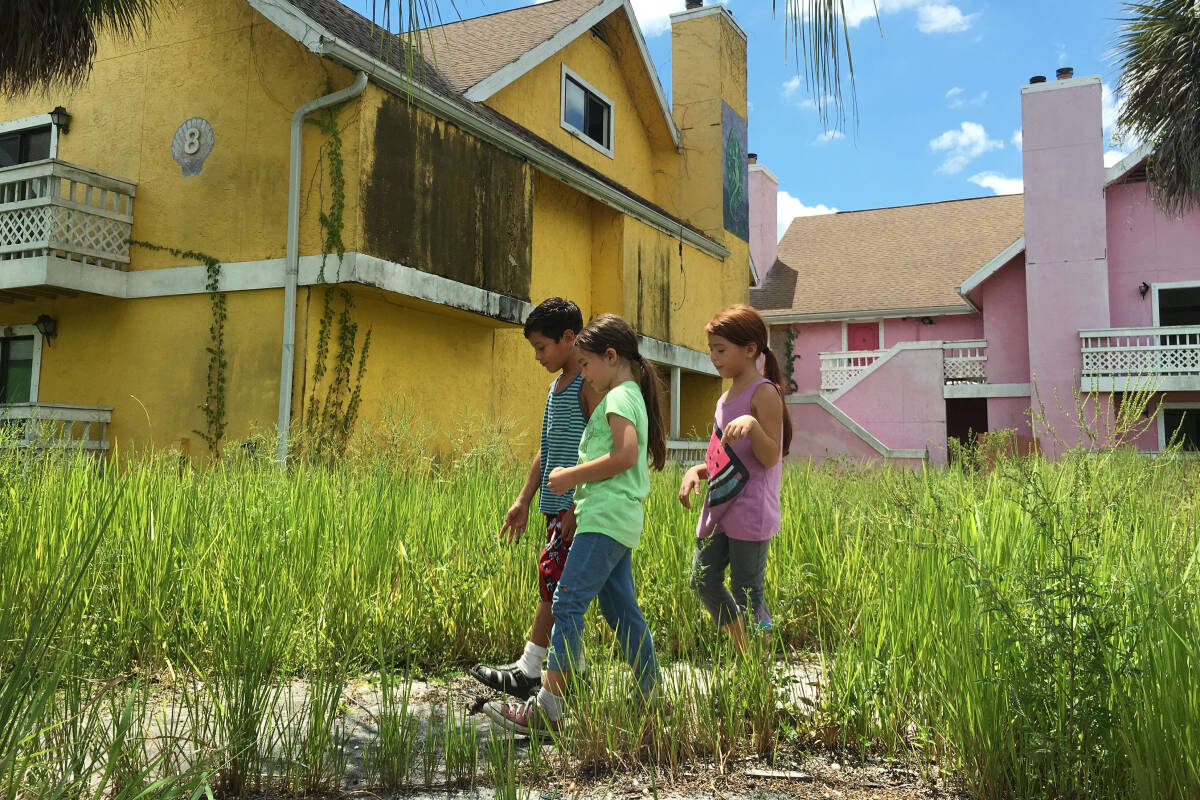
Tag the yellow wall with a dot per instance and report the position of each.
(224, 62)
(534, 101)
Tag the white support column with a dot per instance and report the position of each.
(675, 383)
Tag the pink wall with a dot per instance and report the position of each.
(947, 327)
(818, 435)
(813, 338)
(1009, 412)
(1065, 221)
(901, 403)
(764, 219)
(1145, 244)
(1006, 323)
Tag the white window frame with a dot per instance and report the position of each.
(7, 331)
(36, 121)
(567, 72)
(1155, 288)
(846, 333)
(1162, 424)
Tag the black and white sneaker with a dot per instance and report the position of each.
(509, 679)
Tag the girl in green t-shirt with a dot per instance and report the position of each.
(623, 438)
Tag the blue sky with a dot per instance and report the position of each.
(938, 93)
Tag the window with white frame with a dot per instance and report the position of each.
(586, 112)
(17, 369)
(26, 140)
(1180, 424)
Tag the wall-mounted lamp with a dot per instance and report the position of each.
(1145, 287)
(47, 326)
(61, 119)
(926, 320)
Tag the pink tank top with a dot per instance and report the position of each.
(743, 495)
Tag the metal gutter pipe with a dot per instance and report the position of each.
(291, 273)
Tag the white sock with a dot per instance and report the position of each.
(531, 660)
(551, 703)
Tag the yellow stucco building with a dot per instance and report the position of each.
(537, 156)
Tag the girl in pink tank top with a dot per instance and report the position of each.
(743, 468)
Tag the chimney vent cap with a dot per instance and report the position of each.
(1038, 79)
(691, 4)
(1062, 73)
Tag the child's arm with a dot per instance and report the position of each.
(763, 425)
(623, 456)
(691, 483)
(518, 513)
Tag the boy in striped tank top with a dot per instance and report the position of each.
(551, 330)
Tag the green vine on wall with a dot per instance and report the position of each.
(789, 366)
(214, 396)
(329, 422)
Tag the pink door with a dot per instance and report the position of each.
(862, 335)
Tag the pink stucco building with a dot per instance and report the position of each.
(909, 326)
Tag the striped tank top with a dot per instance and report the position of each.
(562, 428)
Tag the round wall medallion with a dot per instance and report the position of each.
(192, 143)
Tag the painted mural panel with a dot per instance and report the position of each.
(735, 173)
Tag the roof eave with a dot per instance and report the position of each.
(991, 267)
(785, 316)
(1127, 164)
(510, 72)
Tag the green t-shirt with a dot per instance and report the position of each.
(614, 506)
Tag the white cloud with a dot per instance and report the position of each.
(998, 183)
(968, 142)
(937, 18)
(792, 87)
(1111, 157)
(790, 208)
(1018, 139)
(830, 136)
(952, 96)
(956, 98)
(933, 16)
(1110, 106)
(655, 15)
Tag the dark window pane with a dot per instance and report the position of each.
(574, 100)
(16, 356)
(37, 144)
(596, 120)
(1184, 423)
(10, 149)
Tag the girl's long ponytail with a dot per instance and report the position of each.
(774, 374)
(656, 434)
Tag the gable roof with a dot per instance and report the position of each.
(887, 259)
(482, 55)
(331, 30)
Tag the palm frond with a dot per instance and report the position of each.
(1158, 53)
(819, 39)
(44, 43)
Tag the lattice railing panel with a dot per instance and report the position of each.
(54, 207)
(1167, 351)
(965, 362)
(838, 369)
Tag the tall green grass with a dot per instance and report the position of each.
(1031, 628)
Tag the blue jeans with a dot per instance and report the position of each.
(600, 567)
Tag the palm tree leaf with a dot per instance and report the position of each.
(819, 39)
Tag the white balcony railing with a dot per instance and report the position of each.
(55, 208)
(686, 452)
(838, 369)
(962, 362)
(51, 425)
(1128, 359)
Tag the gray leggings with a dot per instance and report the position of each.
(747, 563)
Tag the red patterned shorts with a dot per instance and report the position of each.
(554, 555)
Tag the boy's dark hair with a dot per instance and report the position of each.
(553, 317)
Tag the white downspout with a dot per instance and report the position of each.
(292, 261)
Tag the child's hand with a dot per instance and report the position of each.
(569, 525)
(740, 428)
(689, 487)
(515, 521)
(560, 481)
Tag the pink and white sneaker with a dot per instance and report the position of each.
(523, 719)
